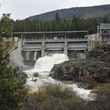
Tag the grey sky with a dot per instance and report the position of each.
(20, 9)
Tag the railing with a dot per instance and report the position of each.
(55, 40)
(71, 47)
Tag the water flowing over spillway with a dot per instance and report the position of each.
(16, 57)
(43, 67)
(44, 64)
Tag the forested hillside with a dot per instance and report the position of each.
(82, 12)
(76, 23)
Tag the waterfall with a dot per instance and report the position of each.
(16, 57)
(44, 64)
(43, 67)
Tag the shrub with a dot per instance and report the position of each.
(66, 71)
(53, 98)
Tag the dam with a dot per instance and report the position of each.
(38, 44)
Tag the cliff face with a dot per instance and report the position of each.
(82, 12)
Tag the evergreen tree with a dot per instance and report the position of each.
(6, 25)
(12, 82)
(57, 17)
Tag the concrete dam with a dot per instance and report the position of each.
(38, 44)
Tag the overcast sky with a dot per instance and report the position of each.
(20, 9)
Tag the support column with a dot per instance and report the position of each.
(43, 45)
(66, 48)
(27, 55)
(43, 49)
(35, 56)
(22, 42)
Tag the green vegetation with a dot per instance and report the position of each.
(103, 97)
(6, 26)
(96, 67)
(66, 71)
(56, 25)
(12, 90)
(95, 70)
(76, 23)
(98, 63)
(103, 88)
(82, 12)
(53, 98)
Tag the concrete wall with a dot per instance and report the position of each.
(32, 49)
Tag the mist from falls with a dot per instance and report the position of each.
(16, 58)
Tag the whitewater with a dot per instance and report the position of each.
(43, 67)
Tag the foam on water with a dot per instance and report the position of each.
(44, 64)
(16, 57)
(43, 67)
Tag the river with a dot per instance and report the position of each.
(43, 67)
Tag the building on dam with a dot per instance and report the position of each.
(101, 37)
(37, 44)
(104, 32)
